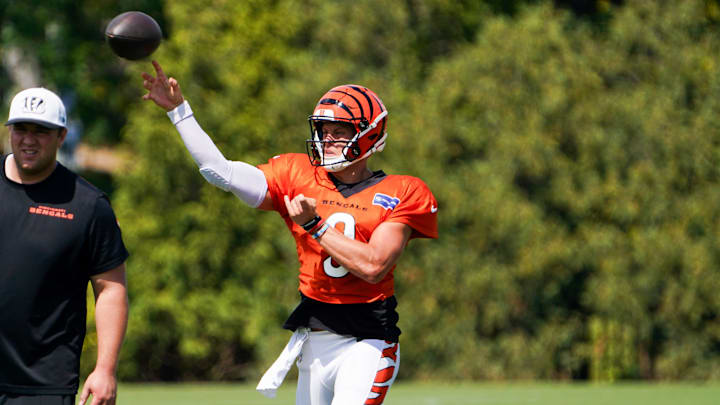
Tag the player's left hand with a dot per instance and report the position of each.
(301, 209)
(102, 386)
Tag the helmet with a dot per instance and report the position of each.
(354, 105)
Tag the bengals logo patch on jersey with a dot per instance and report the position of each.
(385, 201)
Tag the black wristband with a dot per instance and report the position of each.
(309, 225)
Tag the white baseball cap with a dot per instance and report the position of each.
(39, 106)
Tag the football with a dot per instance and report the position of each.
(133, 35)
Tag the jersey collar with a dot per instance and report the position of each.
(349, 189)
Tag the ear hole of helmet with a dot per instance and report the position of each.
(353, 152)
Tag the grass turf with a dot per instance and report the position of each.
(441, 394)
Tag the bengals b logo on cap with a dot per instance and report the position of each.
(39, 106)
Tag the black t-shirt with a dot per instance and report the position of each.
(54, 235)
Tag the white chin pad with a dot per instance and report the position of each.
(339, 165)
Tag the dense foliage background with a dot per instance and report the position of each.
(574, 148)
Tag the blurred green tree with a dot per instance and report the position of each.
(575, 164)
(60, 44)
(577, 171)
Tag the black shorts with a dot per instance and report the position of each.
(24, 399)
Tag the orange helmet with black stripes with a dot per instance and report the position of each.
(351, 104)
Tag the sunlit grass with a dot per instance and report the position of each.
(441, 394)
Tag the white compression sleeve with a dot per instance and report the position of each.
(247, 182)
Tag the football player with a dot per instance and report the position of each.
(350, 224)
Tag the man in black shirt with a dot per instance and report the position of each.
(57, 232)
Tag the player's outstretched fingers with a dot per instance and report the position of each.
(175, 89)
(160, 74)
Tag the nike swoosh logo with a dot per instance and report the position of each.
(433, 209)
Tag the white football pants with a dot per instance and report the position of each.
(339, 370)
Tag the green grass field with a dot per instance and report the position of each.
(440, 394)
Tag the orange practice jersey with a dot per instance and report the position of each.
(403, 199)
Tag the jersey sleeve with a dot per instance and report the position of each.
(106, 248)
(278, 174)
(417, 209)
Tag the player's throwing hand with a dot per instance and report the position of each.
(163, 91)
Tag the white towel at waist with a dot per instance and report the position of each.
(274, 376)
